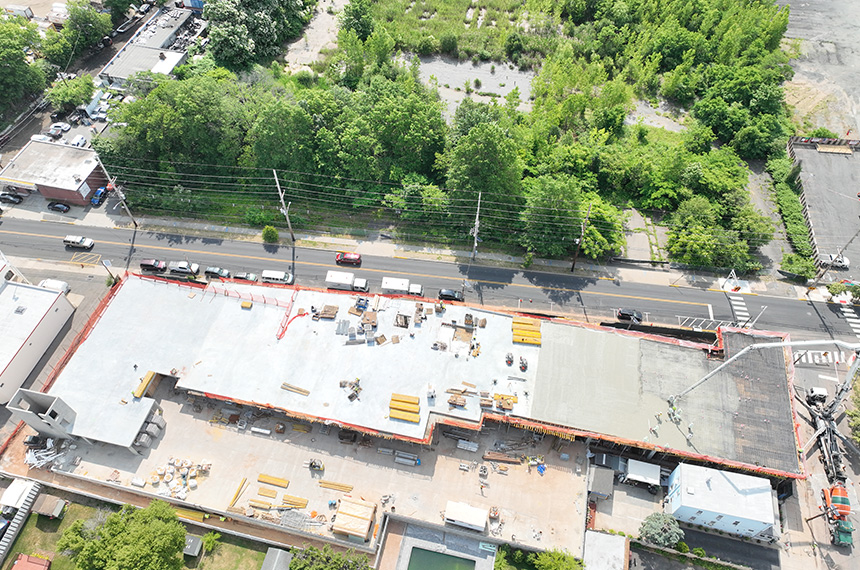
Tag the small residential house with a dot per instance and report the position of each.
(733, 503)
(66, 173)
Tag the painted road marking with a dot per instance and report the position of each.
(386, 271)
(851, 319)
(739, 307)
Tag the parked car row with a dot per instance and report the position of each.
(193, 269)
(10, 197)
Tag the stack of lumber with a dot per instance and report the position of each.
(260, 504)
(526, 330)
(328, 312)
(342, 487)
(295, 502)
(403, 407)
(296, 389)
(271, 480)
(268, 493)
(459, 401)
(501, 457)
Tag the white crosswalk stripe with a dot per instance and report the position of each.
(818, 357)
(852, 319)
(739, 306)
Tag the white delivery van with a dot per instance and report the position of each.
(55, 284)
(397, 286)
(282, 277)
(345, 281)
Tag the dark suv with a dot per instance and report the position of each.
(451, 295)
(631, 315)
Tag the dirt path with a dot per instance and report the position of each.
(320, 34)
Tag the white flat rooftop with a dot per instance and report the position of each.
(597, 381)
(22, 307)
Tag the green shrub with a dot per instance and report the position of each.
(699, 552)
(794, 263)
(257, 217)
(836, 288)
(427, 45)
(477, 83)
(448, 44)
(791, 211)
(270, 234)
(682, 547)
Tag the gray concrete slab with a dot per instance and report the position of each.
(830, 185)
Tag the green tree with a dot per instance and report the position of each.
(18, 78)
(698, 138)
(485, 160)
(118, 9)
(86, 26)
(357, 16)
(270, 234)
(556, 560)
(70, 93)
(143, 539)
(661, 529)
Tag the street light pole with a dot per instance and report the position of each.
(581, 236)
(285, 209)
(474, 231)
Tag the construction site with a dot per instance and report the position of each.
(317, 412)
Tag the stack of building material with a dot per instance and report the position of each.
(403, 407)
(526, 330)
(343, 487)
(270, 480)
(295, 502)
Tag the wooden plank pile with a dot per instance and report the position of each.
(406, 408)
(526, 330)
(342, 487)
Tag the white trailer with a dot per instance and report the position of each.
(397, 286)
(345, 281)
(466, 516)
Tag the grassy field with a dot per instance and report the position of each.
(233, 553)
(481, 26)
(40, 535)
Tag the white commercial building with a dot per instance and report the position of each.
(30, 318)
(738, 504)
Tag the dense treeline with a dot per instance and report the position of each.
(366, 138)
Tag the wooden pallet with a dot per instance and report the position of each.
(405, 416)
(270, 480)
(343, 487)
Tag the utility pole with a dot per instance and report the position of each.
(581, 237)
(121, 195)
(285, 209)
(838, 254)
(474, 230)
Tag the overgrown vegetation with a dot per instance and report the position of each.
(786, 194)
(508, 558)
(365, 142)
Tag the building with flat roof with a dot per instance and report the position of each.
(735, 503)
(305, 353)
(30, 319)
(56, 171)
(158, 47)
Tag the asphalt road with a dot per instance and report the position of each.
(589, 299)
